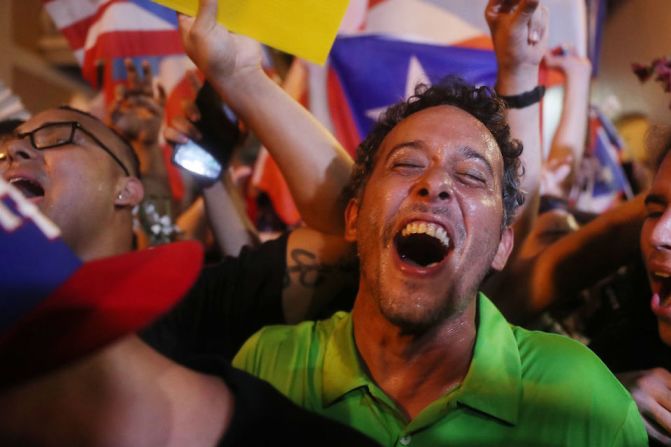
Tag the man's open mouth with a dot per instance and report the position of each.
(423, 244)
(29, 188)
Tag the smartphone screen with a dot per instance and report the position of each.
(193, 158)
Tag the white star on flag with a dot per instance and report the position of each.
(416, 75)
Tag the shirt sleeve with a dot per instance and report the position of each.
(244, 359)
(632, 433)
(230, 301)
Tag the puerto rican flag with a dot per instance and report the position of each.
(386, 47)
(102, 33)
(602, 179)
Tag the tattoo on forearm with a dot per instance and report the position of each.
(309, 272)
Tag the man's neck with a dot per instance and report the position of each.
(414, 369)
(116, 240)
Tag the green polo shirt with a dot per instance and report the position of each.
(522, 388)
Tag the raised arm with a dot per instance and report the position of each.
(223, 206)
(568, 143)
(519, 32)
(315, 165)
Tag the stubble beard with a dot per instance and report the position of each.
(417, 315)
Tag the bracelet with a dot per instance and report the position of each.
(524, 99)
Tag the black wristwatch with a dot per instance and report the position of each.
(524, 99)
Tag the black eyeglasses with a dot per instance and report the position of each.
(50, 135)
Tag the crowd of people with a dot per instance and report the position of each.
(385, 318)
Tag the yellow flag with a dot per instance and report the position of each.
(305, 28)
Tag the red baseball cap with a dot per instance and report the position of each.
(55, 309)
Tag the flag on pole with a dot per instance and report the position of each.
(102, 33)
(384, 48)
(602, 181)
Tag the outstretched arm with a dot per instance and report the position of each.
(315, 165)
(534, 283)
(519, 32)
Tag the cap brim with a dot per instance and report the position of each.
(103, 301)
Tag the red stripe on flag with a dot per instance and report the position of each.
(272, 182)
(341, 114)
(373, 3)
(77, 32)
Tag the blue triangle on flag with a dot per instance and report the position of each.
(373, 70)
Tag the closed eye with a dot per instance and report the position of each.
(472, 177)
(407, 165)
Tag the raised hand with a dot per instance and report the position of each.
(567, 60)
(137, 110)
(519, 30)
(181, 129)
(221, 55)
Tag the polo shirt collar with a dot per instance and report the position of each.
(342, 370)
(493, 384)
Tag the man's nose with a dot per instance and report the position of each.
(435, 185)
(661, 233)
(17, 149)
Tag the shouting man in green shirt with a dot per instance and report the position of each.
(424, 358)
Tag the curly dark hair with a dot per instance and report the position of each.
(481, 102)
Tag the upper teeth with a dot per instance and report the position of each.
(662, 274)
(429, 228)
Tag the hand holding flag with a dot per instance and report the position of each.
(223, 57)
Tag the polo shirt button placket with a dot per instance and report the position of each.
(405, 440)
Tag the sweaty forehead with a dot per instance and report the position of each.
(662, 182)
(97, 128)
(444, 127)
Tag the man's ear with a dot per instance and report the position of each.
(130, 192)
(504, 249)
(351, 217)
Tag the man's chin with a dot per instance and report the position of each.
(416, 321)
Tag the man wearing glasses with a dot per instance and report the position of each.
(81, 174)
